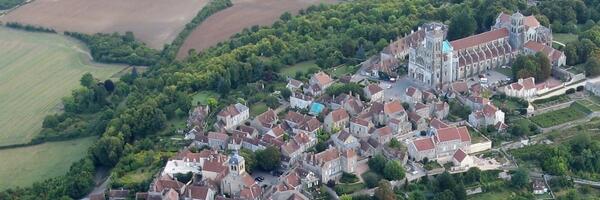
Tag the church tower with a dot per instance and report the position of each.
(237, 164)
(517, 35)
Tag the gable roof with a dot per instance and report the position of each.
(453, 133)
(393, 107)
(339, 114)
(373, 88)
(322, 78)
(424, 144)
(478, 39)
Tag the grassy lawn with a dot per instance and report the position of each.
(302, 67)
(476, 136)
(258, 108)
(348, 188)
(342, 70)
(560, 116)
(37, 70)
(589, 105)
(25, 165)
(564, 37)
(202, 97)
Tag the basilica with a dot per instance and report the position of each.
(435, 61)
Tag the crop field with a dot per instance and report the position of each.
(155, 22)
(243, 14)
(26, 165)
(36, 71)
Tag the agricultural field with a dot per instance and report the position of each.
(27, 165)
(37, 70)
(243, 14)
(155, 22)
(561, 116)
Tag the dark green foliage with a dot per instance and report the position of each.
(377, 163)
(270, 158)
(28, 27)
(348, 178)
(184, 178)
(393, 171)
(109, 85)
(537, 66)
(461, 25)
(250, 159)
(338, 89)
(116, 48)
(107, 151)
(592, 67)
(87, 80)
(519, 179)
(371, 179)
(384, 191)
(459, 110)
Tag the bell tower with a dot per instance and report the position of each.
(517, 28)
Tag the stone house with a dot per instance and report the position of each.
(300, 101)
(329, 164)
(343, 140)
(523, 88)
(265, 121)
(336, 120)
(374, 92)
(360, 127)
(232, 116)
(489, 115)
(218, 140)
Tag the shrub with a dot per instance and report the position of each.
(371, 179)
(579, 88)
(348, 178)
(570, 91)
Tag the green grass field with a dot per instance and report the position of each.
(561, 116)
(202, 97)
(302, 67)
(23, 166)
(258, 108)
(564, 37)
(36, 71)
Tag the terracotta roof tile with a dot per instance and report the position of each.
(479, 39)
(424, 144)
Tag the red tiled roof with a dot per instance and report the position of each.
(197, 192)
(460, 86)
(479, 39)
(393, 107)
(410, 91)
(360, 121)
(531, 21)
(374, 88)
(230, 110)
(453, 133)
(459, 155)
(339, 114)
(489, 110)
(383, 131)
(322, 78)
(424, 144)
(437, 124)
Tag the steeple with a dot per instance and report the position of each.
(237, 164)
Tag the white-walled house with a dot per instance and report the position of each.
(374, 92)
(233, 115)
(489, 115)
(300, 101)
(523, 88)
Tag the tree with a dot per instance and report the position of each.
(184, 178)
(461, 25)
(286, 93)
(377, 163)
(393, 171)
(87, 80)
(286, 16)
(520, 179)
(270, 158)
(544, 67)
(394, 143)
(370, 179)
(107, 151)
(592, 67)
(109, 85)
(445, 195)
(250, 159)
(472, 175)
(416, 195)
(384, 191)
(272, 102)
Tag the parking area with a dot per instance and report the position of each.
(396, 90)
(264, 178)
(492, 77)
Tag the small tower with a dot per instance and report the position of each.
(237, 164)
(517, 28)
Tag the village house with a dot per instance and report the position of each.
(311, 126)
(336, 120)
(539, 187)
(265, 121)
(232, 116)
(294, 84)
(374, 92)
(476, 102)
(294, 119)
(329, 164)
(197, 117)
(383, 135)
(442, 145)
(343, 140)
(418, 123)
(360, 128)
(462, 160)
(292, 150)
(523, 88)
(195, 192)
(318, 83)
(218, 140)
(423, 110)
(352, 104)
(441, 110)
(300, 101)
(489, 115)
(413, 95)
(400, 127)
